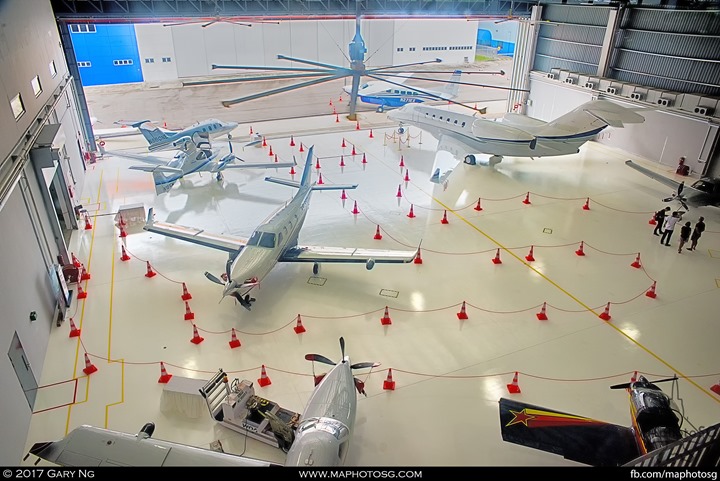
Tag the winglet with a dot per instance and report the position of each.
(150, 218)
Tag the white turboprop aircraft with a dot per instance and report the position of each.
(514, 135)
(194, 158)
(321, 439)
(275, 241)
(163, 139)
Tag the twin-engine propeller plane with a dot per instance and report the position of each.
(656, 425)
(250, 260)
(163, 139)
(321, 439)
(704, 191)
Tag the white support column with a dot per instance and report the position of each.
(608, 45)
(523, 60)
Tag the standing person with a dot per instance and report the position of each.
(660, 220)
(697, 232)
(668, 227)
(684, 235)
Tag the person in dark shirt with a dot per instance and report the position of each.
(697, 232)
(660, 219)
(684, 235)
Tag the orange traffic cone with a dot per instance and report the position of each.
(587, 204)
(150, 272)
(196, 339)
(418, 258)
(542, 316)
(186, 296)
(478, 207)
(402, 161)
(385, 319)
(530, 257)
(514, 387)
(299, 328)
(264, 144)
(123, 232)
(636, 264)
(411, 214)
(527, 199)
(716, 388)
(651, 292)
(444, 219)
(234, 341)
(371, 134)
(84, 274)
(81, 293)
(74, 331)
(189, 315)
(124, 257)
(164, 376)
(580, 251)
(634, 377)
(355, 208)
(389, 384)
(378, 235)
(270, 152)
(496, 259)
(292, 141)
(88, 225)
(76, 262)
(462, 314)
(264, 379)
(605, 316)
(89, 367)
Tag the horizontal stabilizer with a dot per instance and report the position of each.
(289, 183)
(268, 165)
(335, 187)
(131, 123)
(346, 255)
(156, 168)
(614, 115)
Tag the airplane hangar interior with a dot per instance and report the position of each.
(338, 233)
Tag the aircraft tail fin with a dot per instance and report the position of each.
(307, 170)
(152, 133)
(163, 182)
(452, 89)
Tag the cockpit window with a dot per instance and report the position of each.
(254, 239)
(267, 240)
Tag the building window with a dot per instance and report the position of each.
(166, 59)
(84, 64)
(149, 60)
(122, 62)
(16, 104)
(400, 49)
(412, 49)
(53, 70)
(82, 28)
(37, 88)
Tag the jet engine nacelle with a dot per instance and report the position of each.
(370, 264)
(479, 159)
(182, 142)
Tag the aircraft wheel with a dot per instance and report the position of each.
(380, 109)
(219, 177)
(316, 268)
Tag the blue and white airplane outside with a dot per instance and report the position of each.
(389, 95)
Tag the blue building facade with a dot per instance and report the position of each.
(106, 54)
(503, 46)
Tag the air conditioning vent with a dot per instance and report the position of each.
(664, 102)
(569, 80)
(611, 90)
(703, 110)
(551, 75)
(636, 96)
(589, 85)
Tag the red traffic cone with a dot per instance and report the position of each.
(530, 257)
(444, 219)
(276, 159)
(189, 315)
(364, 160)
(251, 130)
(587, 204)
(317, 163)
(320, 181)
(527, 199)
(331, 102)
(84, 274)
(264, 379)
(371, 134)
(89, 367)
(399, 192)
(514, 387)
(636, 264)
(76, 262)
(411, 214)
(264, 144)
(496, 259)
(357, 125)
(385, 319)
(402, 161)
(407, 175)
(124, 257)
(716, 388)
(355, 209)
(652, 221)
(150, 272)
(196, 339)
(542, 316)
(634, 377)
(651, 292)
(299, 328)
(389, 384)
(337, 118)
(292, 170)
(234, 341)
(292, 141)
(462, 314)
(74, 331)
(88, 225)
(81, 294)
(302, 149)
(186, 296)
(342, 161)
(580, 251)
(478, 207)
(605, 316)
(164, 376)
(343, 143)
(353, 151)
(418, 258)
(123, 232)
(378, 235)
(270, 152)
(343, 195)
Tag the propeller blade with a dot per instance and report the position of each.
(318, 358)
(364, 365)
(214, 279)
(342, 347)
(228, 268)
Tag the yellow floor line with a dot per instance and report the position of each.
(109, 349)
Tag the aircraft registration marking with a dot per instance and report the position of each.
(547, 230)
(389, 293)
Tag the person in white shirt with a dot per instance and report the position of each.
(669, 225)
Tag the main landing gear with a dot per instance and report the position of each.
(245, 301)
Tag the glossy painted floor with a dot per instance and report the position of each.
(449, 373)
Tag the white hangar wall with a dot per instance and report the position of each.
(190, 51)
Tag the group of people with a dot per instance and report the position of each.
(665, 226)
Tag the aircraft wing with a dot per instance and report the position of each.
(148, 159)
(576, 438)
(346, 255)
(268, 165)
(654, 175)
(156, 168)
(229, 244)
